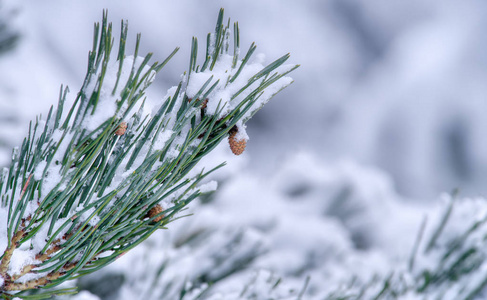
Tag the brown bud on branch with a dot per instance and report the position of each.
(121, 129)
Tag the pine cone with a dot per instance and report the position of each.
(237, 146)
(154, 212)
(121, 129)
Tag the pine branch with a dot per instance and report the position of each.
(262, 285)
(448, 264)
(90, 184)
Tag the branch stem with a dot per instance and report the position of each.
(32, 284)
(25, 270)
(9, 252)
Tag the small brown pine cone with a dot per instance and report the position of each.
(237, 146)
(121, 129)
(154, 212)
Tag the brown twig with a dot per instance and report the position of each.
(42, 257)
(45, 256)
(22, 224)
(32, 284)
(8, 253)
(25, 270)
(69, 266)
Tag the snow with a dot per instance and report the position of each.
(241, 133)
(51, 179)
(3, 233)
(106, 106)
(21, 259)
(225, 94)
(208, 187)
(84, 295)
(388, 104)
(40, 170)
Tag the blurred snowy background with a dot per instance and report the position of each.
(387, 112)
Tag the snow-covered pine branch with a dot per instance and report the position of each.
(90, 183)
(448, 261)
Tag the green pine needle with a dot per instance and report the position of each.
(82, 188)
